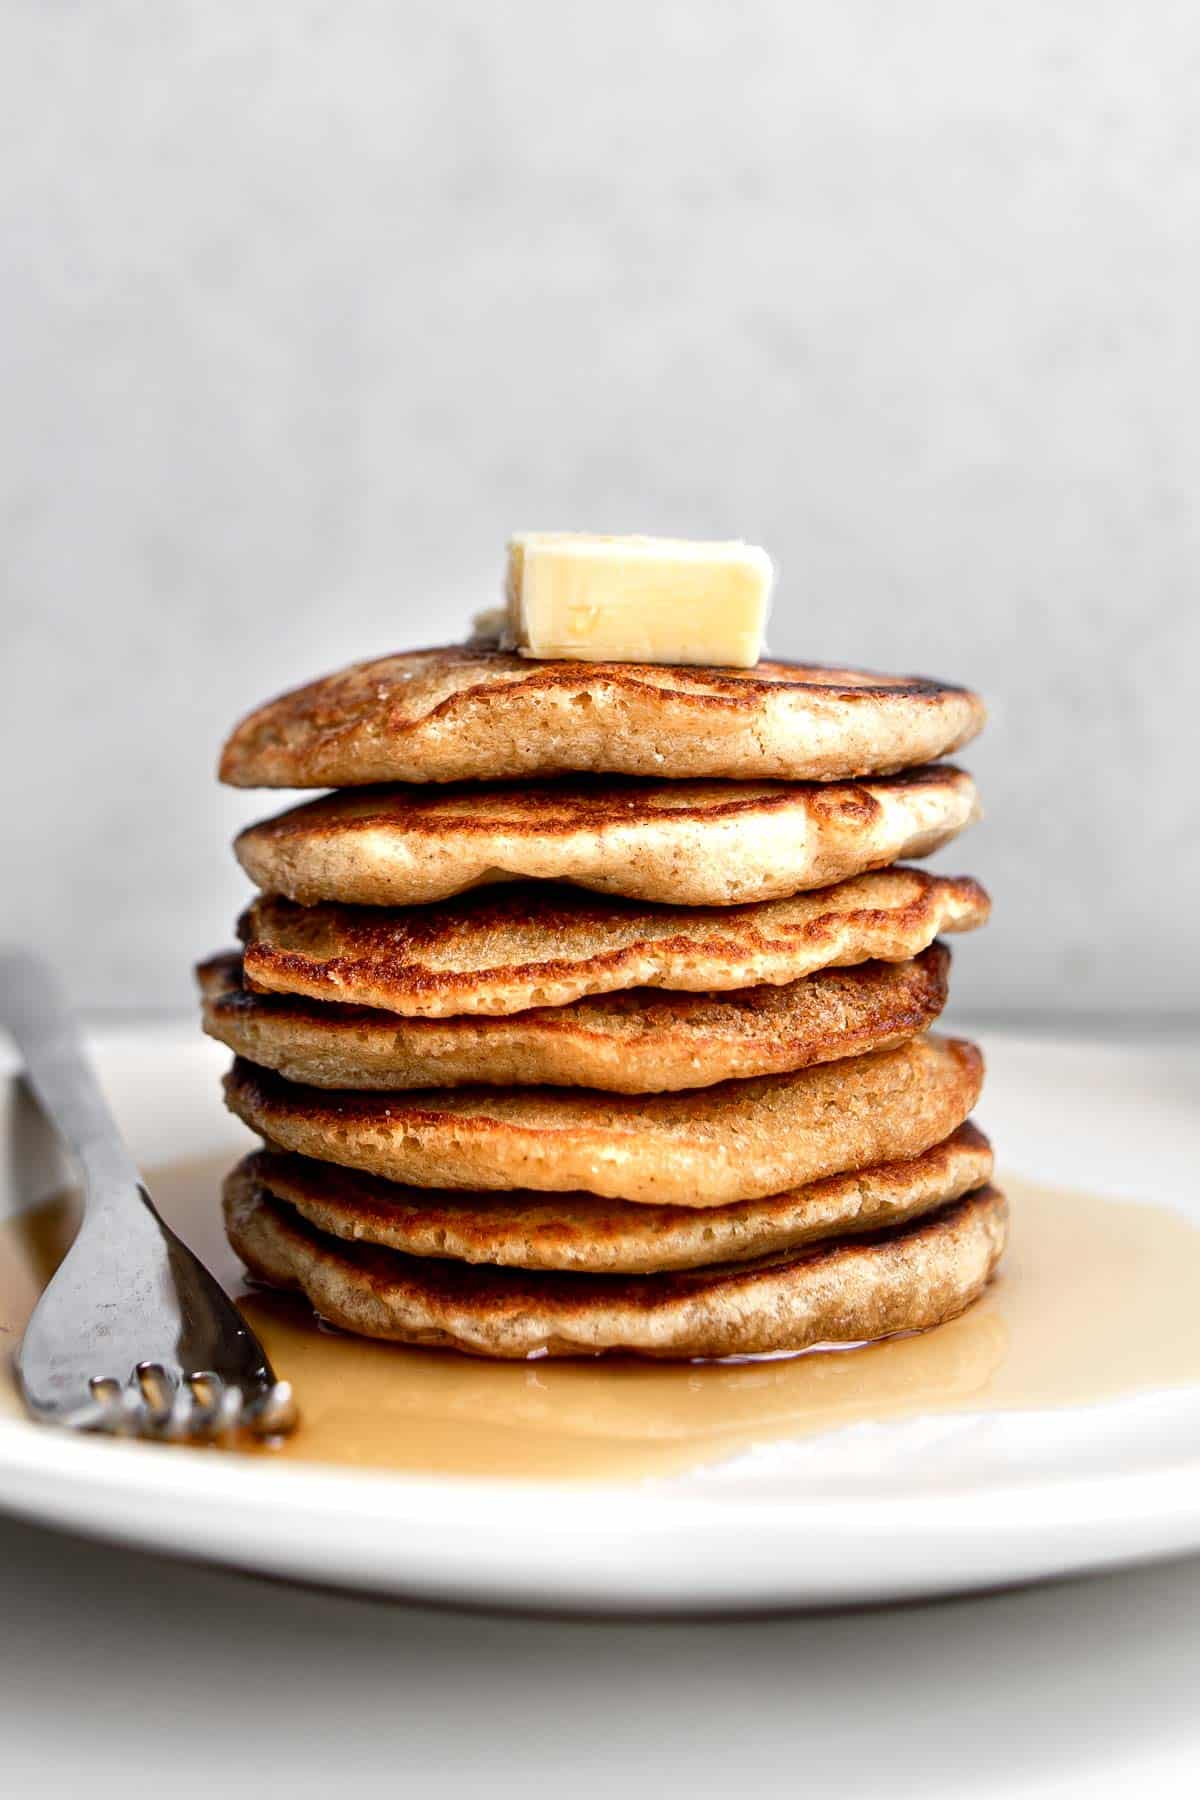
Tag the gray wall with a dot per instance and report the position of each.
(303, 308)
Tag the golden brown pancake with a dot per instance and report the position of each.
(534, 944)
(688, 843)
(466, 713)
(904, 1279)
(708, 1147)
(639, 1042)
(582, 1232)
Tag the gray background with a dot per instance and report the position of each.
(303, 308)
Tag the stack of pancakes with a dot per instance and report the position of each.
(591, 1012)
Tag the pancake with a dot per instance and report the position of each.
(738, 1141)
(535, 944)
(904, 1279)
(467, 713)
(638, 1042)
(689, 843)
(581, 1232)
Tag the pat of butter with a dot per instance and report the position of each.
(637, 599)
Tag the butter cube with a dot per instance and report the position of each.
(637, 599)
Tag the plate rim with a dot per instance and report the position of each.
(1028, 1530)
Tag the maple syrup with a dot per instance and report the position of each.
(1096, 1298)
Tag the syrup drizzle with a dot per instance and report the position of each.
(1095, 1299)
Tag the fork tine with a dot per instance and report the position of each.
(156, 1389)
(275, 1413)
(178, 1423)
(105, 1411)
(208, 1390)
(206, 1385)
(228, 1417)
(129, 1415)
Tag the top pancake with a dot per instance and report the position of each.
(686, 843)
(466, 713)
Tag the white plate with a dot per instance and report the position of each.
(920, 1507)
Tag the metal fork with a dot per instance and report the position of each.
(132, 1336)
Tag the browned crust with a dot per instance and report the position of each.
(638, 1042)
(680, 842)
(739, 1140)
(581, 1232)
(907, 1278)
(468, 713)
(537, 944)
(546, 809)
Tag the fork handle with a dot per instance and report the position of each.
(35, 1010)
